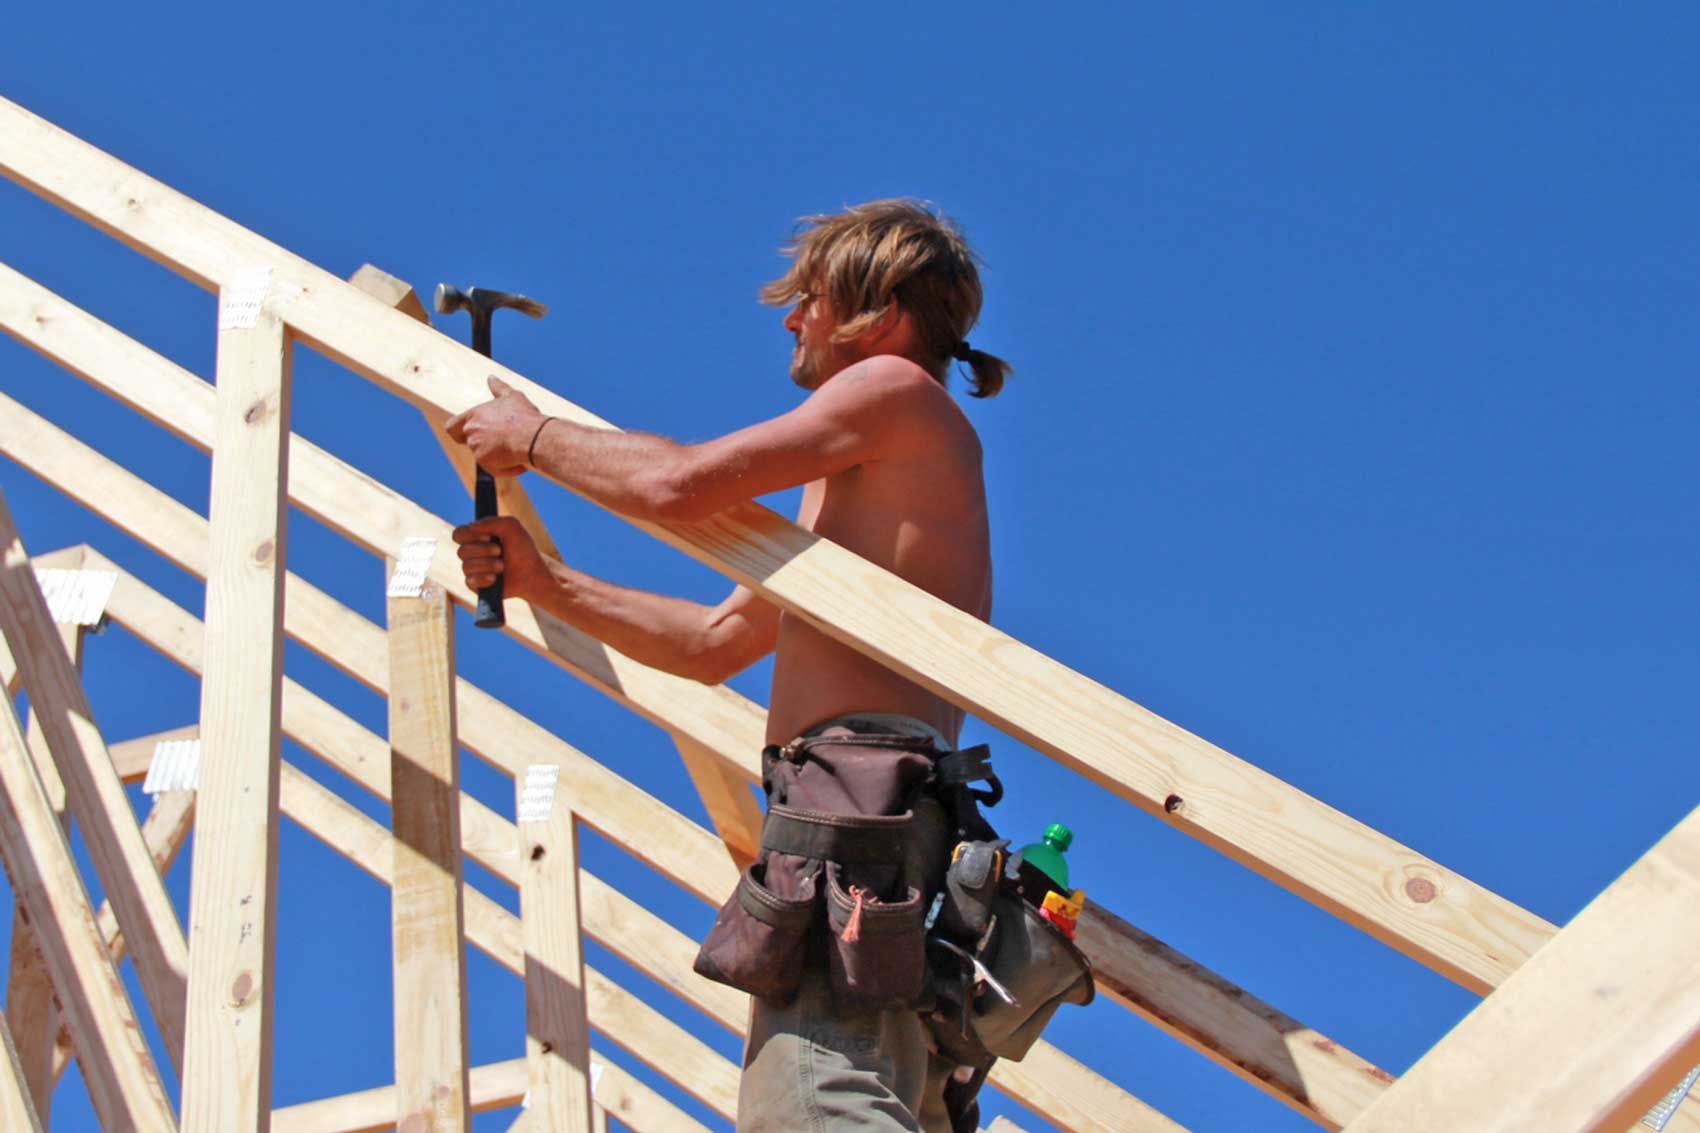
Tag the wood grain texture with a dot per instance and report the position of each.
(93, 793)
(495, 1085)
(1300, 1067)
(557, 1035)
(431, 1042)
(165, 830)
(227, 1062)
(123, 1082)
(30, 1011)
(1587, 1035)
(17, 1111)
(620, 1016)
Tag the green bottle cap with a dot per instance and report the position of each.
(1059, 835)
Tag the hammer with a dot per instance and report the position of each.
(482, 303)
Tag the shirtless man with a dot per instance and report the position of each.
(881, 298)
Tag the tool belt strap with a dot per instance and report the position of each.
(970, 765)
(850, 839)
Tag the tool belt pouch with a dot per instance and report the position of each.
(1040, 968)
(846, 827)
(759, 937)
(878, 953)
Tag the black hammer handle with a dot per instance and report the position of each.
(489, 613)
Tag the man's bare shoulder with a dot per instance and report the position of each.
(896, 393)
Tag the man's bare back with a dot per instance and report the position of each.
(919, 512)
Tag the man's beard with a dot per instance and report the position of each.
(805, 368)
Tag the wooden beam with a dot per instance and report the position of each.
(557, 1036)
(1263, 1045)
(227, 1061)
(123, 1083)
(644, 940)
(617, 1014)
(1587, 1035)
(430, 973)
(1300, 1067)
(17, 1111)
(96, 797)
(30, 1010)
(330, 491)
(165, 830)
(725, 793)
(1434, 915)
(495, 1085)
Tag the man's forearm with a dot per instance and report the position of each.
(632, 473)
(661, 632)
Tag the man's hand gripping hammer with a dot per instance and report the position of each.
(482, 304)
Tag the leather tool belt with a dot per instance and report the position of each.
(877, 865)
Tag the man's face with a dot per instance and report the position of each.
(816, 357)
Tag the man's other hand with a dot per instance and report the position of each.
(499, 432)
(500, 548)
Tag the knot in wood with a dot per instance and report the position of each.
(1421, 890)
(263, 553)
(242, 989)
(537, 853)
(256, 411)
(1174, 804)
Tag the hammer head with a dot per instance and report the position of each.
(481, 301)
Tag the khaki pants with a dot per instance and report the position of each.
(809, 1068)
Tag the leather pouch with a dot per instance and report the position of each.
(758, 940)
(970, 887)
(877, 954)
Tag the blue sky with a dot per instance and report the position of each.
(1353, 425)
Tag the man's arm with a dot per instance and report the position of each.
(861, 414)
(688, 639)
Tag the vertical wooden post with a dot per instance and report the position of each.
(557, 1038)
(30, 1011)
(426, 911)
(227, 1067)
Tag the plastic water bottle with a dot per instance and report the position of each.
(1047, 856)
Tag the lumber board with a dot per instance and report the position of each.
(431, 1044)
(17, 1111)
(232, 893)
(30, 1010)
(94, 795)
(152, 618)
(620, 1016)
(724, 791)
(495, 1085)
(1433, 914)
(1289, 1061)
(165, 829)
(557, 1036)
(123, 1082)
(1306, 1070)
(1587, 1035)
(349, 502)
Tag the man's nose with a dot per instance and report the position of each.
(794, 319)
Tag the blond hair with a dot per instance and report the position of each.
(900, 251)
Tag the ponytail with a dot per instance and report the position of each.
(989, 371)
